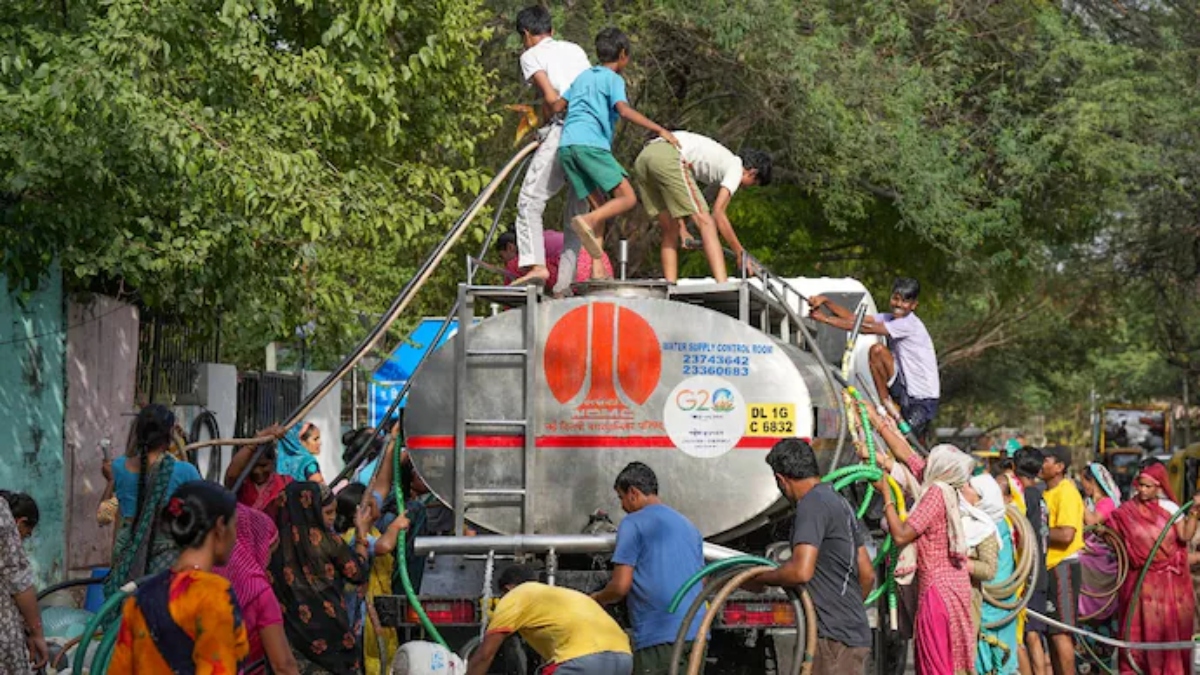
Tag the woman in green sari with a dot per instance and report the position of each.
(143, 482)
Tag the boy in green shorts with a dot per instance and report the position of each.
(594, 102)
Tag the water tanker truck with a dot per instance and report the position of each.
(521, 422)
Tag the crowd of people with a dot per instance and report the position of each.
(278, 577)
(282, 574)
(963, 533)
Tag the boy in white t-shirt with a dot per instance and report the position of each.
(550, 66)
(667, 177)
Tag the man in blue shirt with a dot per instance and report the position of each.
(658, 549)
(594, 103)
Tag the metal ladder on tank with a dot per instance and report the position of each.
(525, 297)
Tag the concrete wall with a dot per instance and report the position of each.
(32, 351)
(328, 418)
(102, 352)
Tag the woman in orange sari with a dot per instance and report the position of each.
(1164, 609)
(185, 620)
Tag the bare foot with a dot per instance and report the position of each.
(587, 237)
(537, 275)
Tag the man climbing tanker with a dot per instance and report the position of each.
(905, 371)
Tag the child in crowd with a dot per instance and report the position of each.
(596, 100)
(667, 177)
(550, 66)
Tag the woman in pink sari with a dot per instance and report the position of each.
(945, 634)
(1164, 609)
(246, 572)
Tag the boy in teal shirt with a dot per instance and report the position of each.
(594, 102)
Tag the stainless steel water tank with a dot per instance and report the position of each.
(695, 394)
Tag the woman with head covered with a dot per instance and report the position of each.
(1163, 612)
(944, 639)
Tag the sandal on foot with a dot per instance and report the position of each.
(587, 237)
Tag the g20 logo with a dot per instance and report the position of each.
(702, 400)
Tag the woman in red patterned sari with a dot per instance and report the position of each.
(1164, 609)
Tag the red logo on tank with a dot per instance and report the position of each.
(603, 346)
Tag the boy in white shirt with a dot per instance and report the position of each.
(666, 178)
(550, 66)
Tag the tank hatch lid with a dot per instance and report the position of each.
(611, 288)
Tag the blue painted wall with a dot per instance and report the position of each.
(33, 342)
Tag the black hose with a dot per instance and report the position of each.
(361, 454)
(414, 283)
(70, 583)
(207, 421)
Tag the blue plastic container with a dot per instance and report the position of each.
(95, 592)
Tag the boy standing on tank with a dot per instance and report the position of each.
(666, 178)
(658, 550)
(906, 370)
(829, 555)
(594, 103)
(550, 66)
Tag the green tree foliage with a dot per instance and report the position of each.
(247, 156)
(285, 162)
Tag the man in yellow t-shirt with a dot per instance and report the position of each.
(567, 628)
(1065, 506)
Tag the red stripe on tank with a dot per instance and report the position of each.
(481, 442)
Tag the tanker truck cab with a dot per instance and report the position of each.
(522, 422)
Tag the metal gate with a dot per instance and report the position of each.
(264, 399)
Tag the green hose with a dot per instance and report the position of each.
(104, 651)
(413, 600)
(1137, 590)
(712, 568)
(93, 626)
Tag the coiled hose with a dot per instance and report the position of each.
(206, 421)
(996, 590)
(1000, 594)
(1113, 540)
(733, 573)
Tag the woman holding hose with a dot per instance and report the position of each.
(1098, 562)
(944, 637)
(995, 649)
(1164, 608)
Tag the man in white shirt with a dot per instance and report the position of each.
(550, 66)
(667, 179)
